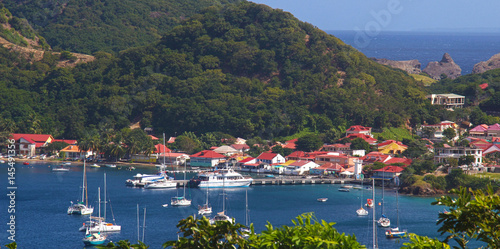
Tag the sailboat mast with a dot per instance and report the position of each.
(99, 199)
(84, 190)
(383, 183)
(184, 185)
(374, 227)
(138, 237)
(164, 150)
(397, 205)
(246, 207)
(144, 225)
(105, 200)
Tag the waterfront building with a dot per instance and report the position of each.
(387, 172)
(335, 157)
(30, 144)
(270, 158)
(73, 152)
(305, 156)
(327, 169)
(299, 167)
(206, 158)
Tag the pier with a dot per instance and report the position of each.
(290, 181)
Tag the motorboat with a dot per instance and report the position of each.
(344, 190)
(361, 212)
(227, 178)
(322, 199)
(220, 217)
(140, 180)
(160, 183)
(94, 239)
(95, 165)
(60, 169)
(110, 165)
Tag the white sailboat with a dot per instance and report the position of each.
(374, 239)
(396, 232)
(246, 230)
(181, 200)
(82, 207)
(94, 238)
(361, 211)
(383, 221)
(221, 216)
(99, 224)
(205, 209)
(164, 181)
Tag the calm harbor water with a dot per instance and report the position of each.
(43, 197)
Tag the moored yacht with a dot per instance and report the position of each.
(227, 178)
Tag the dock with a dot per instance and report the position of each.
(288, 181)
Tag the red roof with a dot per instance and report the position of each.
(171, 140)
(358, 128)
(483, 86)
(208, 154)
(365, 137)
(495, 127)
(495, 140)
(240, 146)
(390, 169)
(34, 137)
(299, 163)
(331, 166)
(267, 156)
(248, 159)
(291, 144)
(153, 137)
(160, 148)
(479, 128)
(387, 142)
(375, 157)
(68, 141)
(403, 160)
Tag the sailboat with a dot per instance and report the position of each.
(94, 238)
(99, 224)
(80, 207)
(246, 230)
(383, 221)
(396, 232)
(205, 208)
(164, 181)
(374, 234)
(181, 200)
(221, 216)
(361, 211)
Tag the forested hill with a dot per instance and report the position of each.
(243, 69)
(111, 25)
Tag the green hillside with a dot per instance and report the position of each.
(111, 25)
(243, 69)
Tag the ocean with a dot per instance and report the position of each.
(43, 197)
(466, 49)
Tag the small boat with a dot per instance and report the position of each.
(81, 207)
(396, 232)
(131, 168)
(270, 176)
(344, 190)
(205, 208)
(369, 203)
(164, 205)
(162, 183)
(361, 212)
(60, 169)
(66, 163)
(2, 161)
(348, 186)
(94, 239)
(322, 199)
(26, 163)
(181, 200)
(110, 165)
(95, 165)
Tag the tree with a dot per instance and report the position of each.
(360, 144)
(449, 133)
(309, 143)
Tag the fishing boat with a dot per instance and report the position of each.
(218, 178)
(205, 209)
(82, 207)
(99, 224)
(396, 232)
(181, 200)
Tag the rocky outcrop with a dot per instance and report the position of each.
(446, 66)
(411, 66)
(425, 190)
(483, 66)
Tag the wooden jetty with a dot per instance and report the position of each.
(288, 181)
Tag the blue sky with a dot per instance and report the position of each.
(394, 15)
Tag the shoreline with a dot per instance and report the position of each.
(80, 163)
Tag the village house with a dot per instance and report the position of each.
(442, 154)
(437, 130)
(73, 152)
(226, 150)
(373, 157)
(306, 156)
(449, 100)
(391, 147)
(335, 157)
(206, 158)
(299, 167)
(359, 129)
(155, 157)
(387, 172)
(241, 148)
(270, 158)
(370, 140)
(30, 144)
(344, 148)
(327, 169)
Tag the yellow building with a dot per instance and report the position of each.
(391, 147)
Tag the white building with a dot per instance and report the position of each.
(443, 153)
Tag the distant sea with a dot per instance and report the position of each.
(466, 49)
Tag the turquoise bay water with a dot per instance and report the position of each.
(43, 197)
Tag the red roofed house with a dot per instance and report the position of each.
(438, 129)
(241, 147)
(333, 157)
(29, 144)
(73, 152)
(206, 158)
(493, 131)
(299, 167)
(387, 172)
(306, 156)
(270, 158)
(155, 157)
(290, 144)
(373, 157)
(480, 143)
(479, 131)
(492, 149)
(68, 141)
(326, 169)
(359, 129)
(367, 138)
(337, 147)
(397, 160)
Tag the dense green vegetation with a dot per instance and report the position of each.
(245, 70)
(16, 30)
(111, 26)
